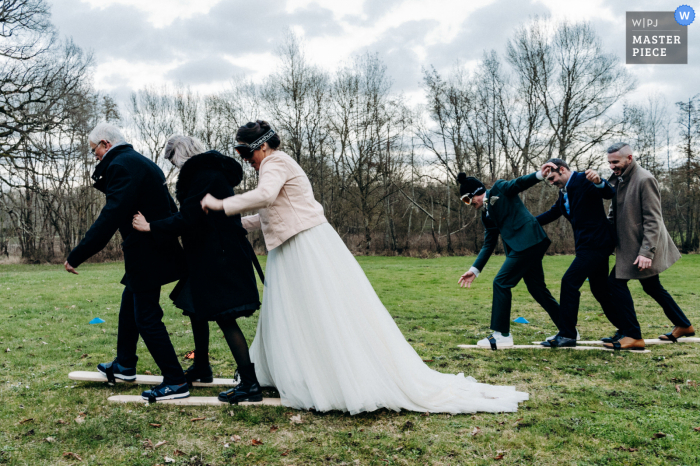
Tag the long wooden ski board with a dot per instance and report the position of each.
(86, 376)
(194, 401)
(581, 348)
(654, 341)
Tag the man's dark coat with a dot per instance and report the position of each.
(592, 230)
(132, 184)
(219, 256)
(508, 216)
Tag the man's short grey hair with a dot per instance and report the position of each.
(180, 148)
(106, 132)
(617, 147)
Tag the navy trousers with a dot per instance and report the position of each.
(141, 314)
(592, 265)
(628, 323)
(521, 265)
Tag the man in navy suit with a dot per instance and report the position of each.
(581, 203)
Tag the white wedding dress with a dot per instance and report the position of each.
(326, 341)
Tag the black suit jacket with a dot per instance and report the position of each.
(132, 184)
(592, 230)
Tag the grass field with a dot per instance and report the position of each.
(585, 408)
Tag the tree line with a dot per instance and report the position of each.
(383, 169)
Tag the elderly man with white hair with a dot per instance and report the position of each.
(132, 184)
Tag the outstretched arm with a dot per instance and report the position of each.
(121, 198)
(605, 190)
(514, 187)
(272, 178)
(551, 215)
(491, 234)
(190, 214)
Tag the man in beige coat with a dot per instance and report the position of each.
(643, 249)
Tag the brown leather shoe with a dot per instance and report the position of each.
(626, 343)
(677, 333)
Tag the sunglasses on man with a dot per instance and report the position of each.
(246, 150)
(467, 199)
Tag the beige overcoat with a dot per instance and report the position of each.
(636, 212)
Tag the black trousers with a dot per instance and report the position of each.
(628, 323)
(592, 265)
(525, 265)
(141, 314)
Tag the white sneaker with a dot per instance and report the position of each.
(578, 336)
(501, 341)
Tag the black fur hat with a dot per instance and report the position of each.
(470, 186)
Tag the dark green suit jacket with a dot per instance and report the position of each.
(508, 216)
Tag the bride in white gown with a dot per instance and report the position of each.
(324, 338)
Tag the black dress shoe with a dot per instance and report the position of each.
(562, 342)
(614, 338)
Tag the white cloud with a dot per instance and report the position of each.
(154, 42)
(160, 13)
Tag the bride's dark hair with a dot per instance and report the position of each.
(251, 131)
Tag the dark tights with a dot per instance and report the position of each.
(234, 337)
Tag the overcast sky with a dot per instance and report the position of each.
(203, 43)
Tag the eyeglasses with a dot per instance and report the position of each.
(246, 151)
(95, 148)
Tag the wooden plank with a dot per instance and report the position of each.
(194, 401)
(581, 348)
(653, 341)
(86, 376)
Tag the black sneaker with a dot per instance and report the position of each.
(618, 335)
(199, 374)
(247, 390)
(119, 371)
(166, 392)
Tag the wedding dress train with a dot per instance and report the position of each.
(326, 341)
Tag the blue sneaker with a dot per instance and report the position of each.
(113, 370)
(166, 392)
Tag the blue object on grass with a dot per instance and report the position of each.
(521, 320)
(97, 320)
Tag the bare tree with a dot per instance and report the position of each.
(688, 119)
(296, 98)
(154, 116)
(576, 82)
(647, 127)
(367, 124)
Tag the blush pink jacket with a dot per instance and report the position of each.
(284, 199)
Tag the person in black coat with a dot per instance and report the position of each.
(132, 183)
(221, 285)
(581, 203)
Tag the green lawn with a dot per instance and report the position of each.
(585, 408)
